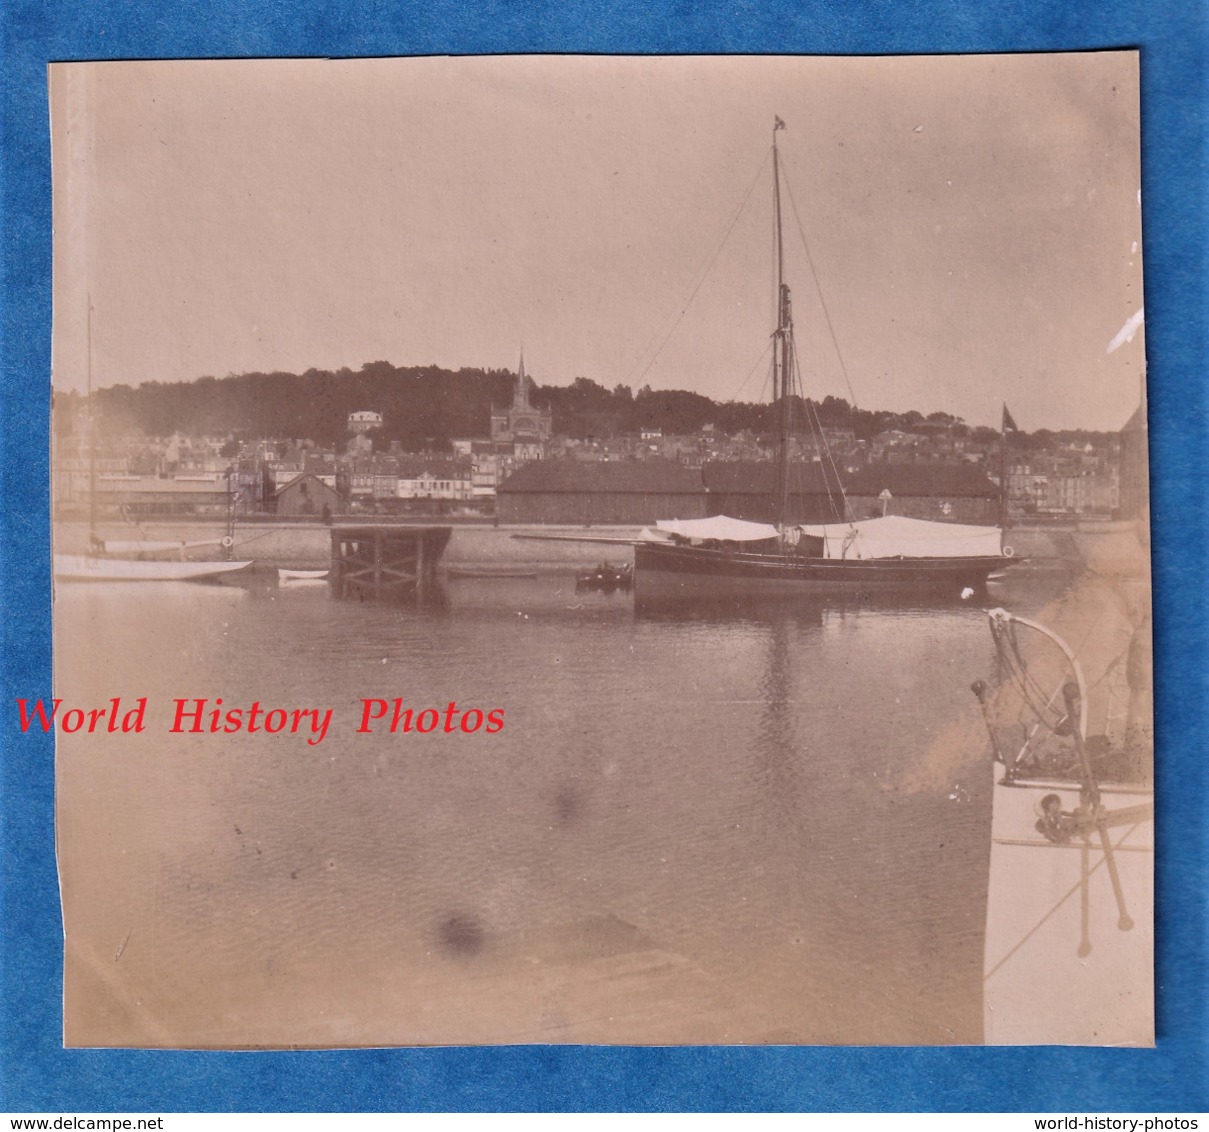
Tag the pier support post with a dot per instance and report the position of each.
(387, 561)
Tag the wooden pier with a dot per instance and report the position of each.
(387, 561)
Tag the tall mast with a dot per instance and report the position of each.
(782, 380)
(1003, 473)
(1008, 425)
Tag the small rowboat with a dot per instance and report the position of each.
(284, 575)
(606, 578)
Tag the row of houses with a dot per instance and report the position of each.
(572, 492)
(322, 483)
(1034, 492)
(250, 487)
(375, 483)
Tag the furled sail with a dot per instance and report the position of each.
(719, 527)
(895, 536)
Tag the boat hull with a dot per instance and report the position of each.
(1065, 963)
(83, 568)
(285, 575)
(669, 571)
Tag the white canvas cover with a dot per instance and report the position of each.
(895, 536)
(141, 546)
(154, 546)
(719, 527)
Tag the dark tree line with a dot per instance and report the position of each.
(423, 407)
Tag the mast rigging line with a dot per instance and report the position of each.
(734, 397)
(835, 342)
(702, 276)
(818, 428)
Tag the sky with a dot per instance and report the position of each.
(960, 232)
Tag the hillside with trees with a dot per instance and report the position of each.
(424, 407)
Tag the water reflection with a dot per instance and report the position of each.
(801, 607)
(696, 826)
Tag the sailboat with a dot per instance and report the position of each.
(98, 567)
(723, 556)
(105, 560)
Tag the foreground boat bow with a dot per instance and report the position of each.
(1069, 949)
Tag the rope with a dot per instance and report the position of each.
(1062, 900)
(1007, 647)
(702, 276)
(835, 342)
(763, 353)
(818, 425)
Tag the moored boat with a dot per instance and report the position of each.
(721, 556)
(97, 568)
(105, 559)
(606, 578)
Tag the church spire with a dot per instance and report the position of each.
(520, 398)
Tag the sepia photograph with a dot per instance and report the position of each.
(609, 550)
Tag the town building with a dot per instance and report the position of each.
(574, 492)
(522, 429)
(138, 497)
(957, 493)
(306, 496)
(436, 479)
(749, 489)
(364, 420)
(370, 478)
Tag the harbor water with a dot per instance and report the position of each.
(766, 825)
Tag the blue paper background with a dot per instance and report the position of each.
(36, 1074)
